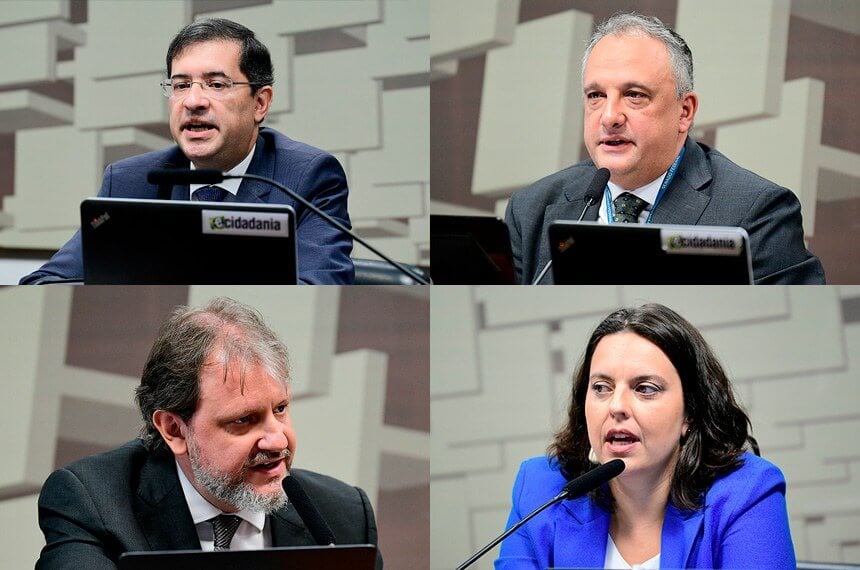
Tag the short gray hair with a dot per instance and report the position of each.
(225, 329)
(633, 24)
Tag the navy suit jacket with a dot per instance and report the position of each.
(323, 251)
(743, 524)
(708, 190)
(130, 499)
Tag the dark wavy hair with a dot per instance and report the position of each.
(255, 61)
(222, 332)
(718, 427)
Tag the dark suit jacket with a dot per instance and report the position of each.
(708, 190)
(130, 499)
(323, 251)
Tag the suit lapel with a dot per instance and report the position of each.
(263, 164)
(581, 535)
(679, 534)
(683, 202)
(288, 529)
(161, 508)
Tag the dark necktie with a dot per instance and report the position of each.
(627, 208)
(224, 527)
(210, 194)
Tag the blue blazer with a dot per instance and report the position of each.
(743, 524)
(323, 251)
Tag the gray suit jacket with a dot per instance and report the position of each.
(130, 499)
(708, 189)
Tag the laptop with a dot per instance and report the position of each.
(129, 241)
(470, 250)
(355, 557)
(588, 253)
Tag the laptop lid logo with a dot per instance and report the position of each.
(678, 242)
(224, 222)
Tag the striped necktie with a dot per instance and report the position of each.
(210, 194)
(224, 527)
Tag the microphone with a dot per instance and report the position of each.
(576, 488)
(308, 512)
(211, 176)
(601, 177)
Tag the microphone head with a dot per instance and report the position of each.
(308, 512)
(594, 478)
(184, 176)
(598, 183)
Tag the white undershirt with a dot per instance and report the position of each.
(231, 185)
(615, 560)
(648, 193)
(253, 533)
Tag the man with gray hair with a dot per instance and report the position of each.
(639, 106)
(209, 469)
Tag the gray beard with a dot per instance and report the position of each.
(233, 491)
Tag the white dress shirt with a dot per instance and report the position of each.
(615, 561)
(254, 531)
(648, 193)
(231, 185)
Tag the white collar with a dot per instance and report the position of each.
(202, 510)
(231, 185)
(615, 560)
(648, 192)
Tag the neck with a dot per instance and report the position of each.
(640, 500)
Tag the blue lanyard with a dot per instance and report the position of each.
(610, 209)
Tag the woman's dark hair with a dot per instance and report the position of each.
(254, 61)
(718, 426)
(220, 333)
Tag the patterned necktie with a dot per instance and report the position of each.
(627, 208)
(210, 194)
(224, 527)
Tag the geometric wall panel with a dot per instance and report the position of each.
(759, 32)
(540, 71)
(464, 29)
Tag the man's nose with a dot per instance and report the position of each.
(613, 115)
(274, 437)
(196, 97)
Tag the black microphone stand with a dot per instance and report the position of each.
(332, 221)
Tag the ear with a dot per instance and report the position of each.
(689, 106)
(685, 428)
(172, 429)
(262, 102)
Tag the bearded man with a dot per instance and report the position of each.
(207, 471)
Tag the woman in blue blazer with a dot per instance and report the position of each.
(651, 392)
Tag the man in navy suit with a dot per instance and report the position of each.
(219, 90)
(639, 102)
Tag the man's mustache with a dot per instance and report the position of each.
(267, 457)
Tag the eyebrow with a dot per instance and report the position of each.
(206, 75)
(640, 378)
(624, 87)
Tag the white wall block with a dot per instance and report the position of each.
(304, 317)
(839, 14)
(25, 109)
(513, 305)
(21, 539)
(96, 101)
(454, 350)
(784, 148)
(466, 29)
(34, 10)
(48, 193)
(531, 104)
(35, 47)
(759, 34)
(356, 397)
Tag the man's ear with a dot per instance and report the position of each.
(172, 429)
(689, 106)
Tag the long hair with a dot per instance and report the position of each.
(223, 332)
(718, 427)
